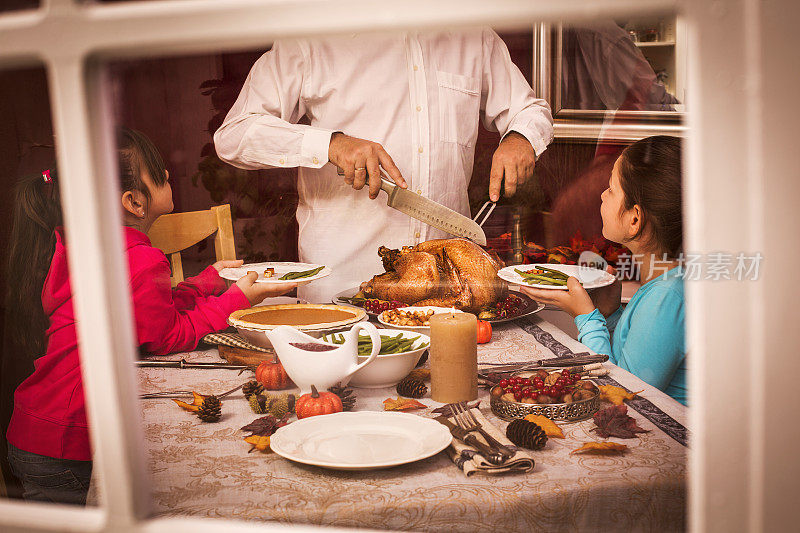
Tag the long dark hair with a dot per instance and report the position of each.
(37, 213)
(650, 176)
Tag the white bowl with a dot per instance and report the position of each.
(386, 370)
(426, 330)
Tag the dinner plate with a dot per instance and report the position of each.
(528, 306)
(360, 440)
(281, 268)
(590, 278)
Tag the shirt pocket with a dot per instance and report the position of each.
(459, 107)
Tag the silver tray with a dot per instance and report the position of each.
(567, 412)
(530, 306)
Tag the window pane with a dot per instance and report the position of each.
(47, 454)
(628, 65)
(438, 121)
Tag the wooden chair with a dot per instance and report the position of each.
(178, 231)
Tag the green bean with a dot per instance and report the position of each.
(546, 280)
(552, 278)
(527, 276)
(553, 272)
(303, 274)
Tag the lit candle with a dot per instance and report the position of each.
(454, 357)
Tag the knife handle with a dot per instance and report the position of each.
(491, 455)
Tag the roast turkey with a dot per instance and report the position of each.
(443, 272)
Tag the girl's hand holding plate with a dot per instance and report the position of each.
(256, 292)
(575, 300)
(228, 263)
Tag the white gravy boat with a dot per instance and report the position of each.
(310, 361)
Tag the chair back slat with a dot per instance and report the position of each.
(178, 231)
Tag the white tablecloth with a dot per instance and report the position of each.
(205, 469)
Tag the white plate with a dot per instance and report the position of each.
(281, 268)
(361, 440)
(590, 278)
(421, 309)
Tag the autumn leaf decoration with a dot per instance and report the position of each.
(601, 448)
(614, 421)
(402, 404)
(261, 429)
(616, 395)
(195, 405)
(551, 429)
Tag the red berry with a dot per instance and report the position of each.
(516, 389)
(535, 395)
(503, 383)
(518, 396)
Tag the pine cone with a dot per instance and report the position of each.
(526, 434)
(345, 394)
(256, 402)
(252, 387)
(411, 388)
(210, 410)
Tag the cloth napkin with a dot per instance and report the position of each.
(232, 339)
(470, 461)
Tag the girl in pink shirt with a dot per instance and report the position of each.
(49, 447)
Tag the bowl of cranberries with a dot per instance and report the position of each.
(559, 395)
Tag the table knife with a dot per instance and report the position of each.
(183, 364)
(491, 455)
(432, 213)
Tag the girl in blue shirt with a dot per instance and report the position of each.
(641, 209)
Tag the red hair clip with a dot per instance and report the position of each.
(46, 176)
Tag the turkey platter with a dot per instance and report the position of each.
(444, 272)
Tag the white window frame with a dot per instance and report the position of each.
(740, 172)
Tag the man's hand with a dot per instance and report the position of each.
(360, 159)
(513, 160)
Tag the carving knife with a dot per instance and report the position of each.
(431, 213)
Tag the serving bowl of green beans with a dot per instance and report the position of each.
(400, 353)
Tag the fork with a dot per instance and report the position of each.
(470, 423)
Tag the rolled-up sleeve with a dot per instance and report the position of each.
(261, 130)
(507, 100)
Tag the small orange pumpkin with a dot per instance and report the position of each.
(317, 403)
(272, 376)
(484, 331)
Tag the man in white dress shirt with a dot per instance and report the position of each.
(407, 102)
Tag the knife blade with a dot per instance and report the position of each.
(432, 213)
(491, 455)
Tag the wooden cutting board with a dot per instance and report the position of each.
(243, 356)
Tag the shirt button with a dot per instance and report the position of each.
(416, 235)
(419, 108)
(419, 191)
(282, 161)
(419, 149)
(416, 67)
(314, 160)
